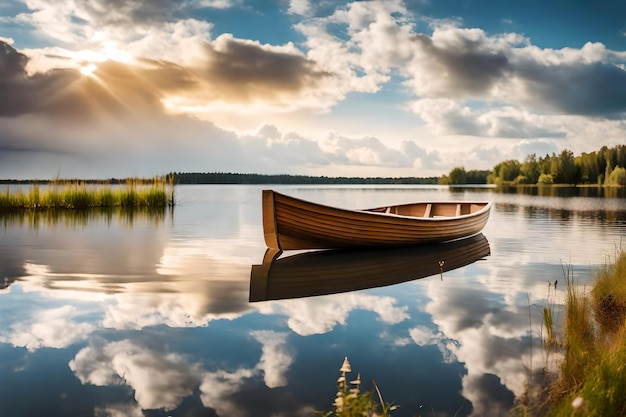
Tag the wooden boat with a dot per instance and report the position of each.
(341, 270)
(290, 223)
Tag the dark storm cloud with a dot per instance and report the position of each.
(467, 64)
(12, 63)
(596, 89)
(245, 70)
(469, 67)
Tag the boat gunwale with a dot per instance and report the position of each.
(486, 208)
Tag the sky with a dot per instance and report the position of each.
(118, 88)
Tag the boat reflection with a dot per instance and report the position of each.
(336, 271)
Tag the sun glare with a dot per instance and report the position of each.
(88, 70)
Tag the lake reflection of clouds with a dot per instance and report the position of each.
(55, 328)
(320, 315)
(161, 379)
(154, 319)
(490, 335)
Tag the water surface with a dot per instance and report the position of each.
(148, 314)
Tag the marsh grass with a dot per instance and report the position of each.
(80, 195)
(591, 376)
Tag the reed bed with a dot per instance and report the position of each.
(134, 192)
(591, 378)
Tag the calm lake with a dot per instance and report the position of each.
(148, 314)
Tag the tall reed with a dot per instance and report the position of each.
(76, 194)
(592, 380)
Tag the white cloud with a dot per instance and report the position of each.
(53, 328)
(217, 387)
(320, 315)
(276, 358)
(160, 379)
(301, 7)
(218, 4)
(458, 81)
(119, 410)
(424, 336)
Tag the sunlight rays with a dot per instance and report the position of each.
(88, 70)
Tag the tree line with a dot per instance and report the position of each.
(607, 166)
(243, 178)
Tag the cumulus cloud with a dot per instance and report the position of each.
(276, 358)
(159, 379)
(243, 70)
(147, 71)
(467, 63)
(307, 316)
(424, 336)
(53, 328)
(218, 387)
(302, 7)
(447, 116)
(490, 336)
(66, 93)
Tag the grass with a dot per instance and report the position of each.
(60, 194)
(351, 402)
(591, 378)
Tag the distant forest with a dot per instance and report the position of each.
(606, 166)
(236, 178)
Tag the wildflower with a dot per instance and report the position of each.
(346, 366)
(578, 402)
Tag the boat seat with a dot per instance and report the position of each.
(388, 210)
(428, 209)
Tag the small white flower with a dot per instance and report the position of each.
(578, 402)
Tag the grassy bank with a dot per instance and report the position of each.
(134, 192)
(591, 378)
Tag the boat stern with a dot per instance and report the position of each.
(269, 220)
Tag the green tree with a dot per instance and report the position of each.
(458, 175)
(588, 166)
(545, 179)
(475, 176)
(504, 172)
(618, 176)
(530, 169)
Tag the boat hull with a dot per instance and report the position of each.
(290, 223)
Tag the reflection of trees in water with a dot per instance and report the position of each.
(562, 191)
(73, 217)
(589, 216)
